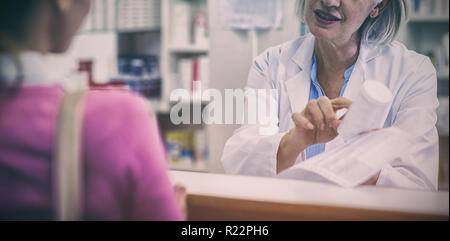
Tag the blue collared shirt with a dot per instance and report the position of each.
(316, 92)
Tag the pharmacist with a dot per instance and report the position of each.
(316, 75)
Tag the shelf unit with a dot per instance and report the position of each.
(176, 46)
(427, 19)
(443, 75)
(424, 32)
(152, 36)
(158, 40)
(188, 49)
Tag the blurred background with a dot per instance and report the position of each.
(155, 46)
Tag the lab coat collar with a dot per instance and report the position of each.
(36, 69)
(298, 81)
(303, 55)
(28, 66)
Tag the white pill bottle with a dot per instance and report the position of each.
(369, 111)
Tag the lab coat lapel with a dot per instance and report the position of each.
(358, 76)
(299, 68)
(356, 81)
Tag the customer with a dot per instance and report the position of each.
(125, 171)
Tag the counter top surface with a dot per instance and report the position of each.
(303, 192)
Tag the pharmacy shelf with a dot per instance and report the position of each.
(163, 107)
(189, 49)
(175, 47)
(443, 75)
(428, 19)
(158, 106)
(193, 100)
(88, 32)
(187, 167)
(138, 30)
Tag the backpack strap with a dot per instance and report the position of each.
(67, 163)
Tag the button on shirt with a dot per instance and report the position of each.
(316, 92)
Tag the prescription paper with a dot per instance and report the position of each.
(355, 161)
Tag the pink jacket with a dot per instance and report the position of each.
(125, 163)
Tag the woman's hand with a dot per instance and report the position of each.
(181, 196)
(317, 123)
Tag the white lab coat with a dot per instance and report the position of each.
(410, 76)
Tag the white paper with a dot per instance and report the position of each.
(251, 14)
(355, 161)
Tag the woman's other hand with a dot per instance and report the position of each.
(373, 180)
(181, 198)
(317, 123)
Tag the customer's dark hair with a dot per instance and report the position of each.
(14, 18)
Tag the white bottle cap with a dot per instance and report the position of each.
(376, 92)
